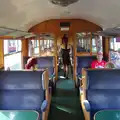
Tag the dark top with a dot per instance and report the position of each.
(66, 56)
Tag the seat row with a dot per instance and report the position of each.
(99, 88)
(25, 90)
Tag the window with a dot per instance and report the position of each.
(97, 44)
(115, 44)
(43, 47)
(83, 42)
(47, 47)
(35, 47)
(12, 46)
(12, 54)
(114, 53)
(89, 42)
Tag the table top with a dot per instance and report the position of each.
(18, 115)
(107, 115)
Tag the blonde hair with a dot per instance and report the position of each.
(109, 65)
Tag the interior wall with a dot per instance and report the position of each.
(76, 25)
(1, 53)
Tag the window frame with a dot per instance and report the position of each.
(17, 51)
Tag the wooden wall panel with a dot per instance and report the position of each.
(106, 47)
(53, 26)
(77, 25)
(24, 49)
(1, 53)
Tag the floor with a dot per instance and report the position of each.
(65, 103)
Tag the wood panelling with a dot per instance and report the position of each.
(1, 53)
(76, 25)
(106, 47)
(25, 47)
(53, 26)
(25, 44)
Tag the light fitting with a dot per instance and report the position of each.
(63, 3)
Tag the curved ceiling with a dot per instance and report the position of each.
(23, 14)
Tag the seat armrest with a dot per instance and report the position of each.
(87, 105)
(78, 80)
(81, 90)
(44, 106)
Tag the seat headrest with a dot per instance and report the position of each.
(44, 62)
(21, 80)
(103, 79)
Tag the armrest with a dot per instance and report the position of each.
(81, 90)
(44, 106)
(87, 105)
(78, 80)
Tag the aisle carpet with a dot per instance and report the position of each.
(65, 104)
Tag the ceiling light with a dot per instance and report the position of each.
(63, 3)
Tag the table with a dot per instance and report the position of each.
(18, 115)
(107, 115)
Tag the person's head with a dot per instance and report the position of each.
(31, 63)
(109, 65)
(99, 56)
(65, 35)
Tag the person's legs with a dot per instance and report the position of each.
(64, 70)
(67, 71)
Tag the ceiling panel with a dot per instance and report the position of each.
(5, 31)
(22, 15)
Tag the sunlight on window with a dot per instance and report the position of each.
(12, 54)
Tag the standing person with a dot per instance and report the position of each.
(65, 55)
(65, 40)
(99, 63)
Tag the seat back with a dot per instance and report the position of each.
(84, 62)
(21, 90)
(44, 62)
(103, 89)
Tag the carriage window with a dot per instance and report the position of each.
(115, 44)
(47, 47)
(96, 44)
(42, 47)
(115, 51)
(12, 54)
(83, 42)
(35, 47)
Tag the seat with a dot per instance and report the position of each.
(43, 63)
(83, 62)
(23, 90)
(101, 90)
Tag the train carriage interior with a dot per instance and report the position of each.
(59, 60)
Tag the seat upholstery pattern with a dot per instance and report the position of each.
(21, 90)
(103, 90)
(43, 63)
(84, 62)
(46, 62)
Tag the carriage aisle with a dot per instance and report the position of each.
(65, 103)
